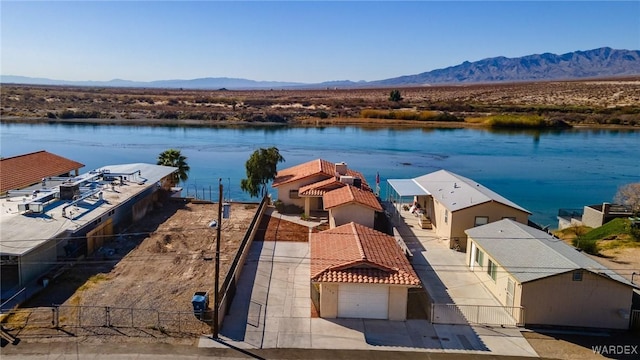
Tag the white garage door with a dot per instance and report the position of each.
(363, 301)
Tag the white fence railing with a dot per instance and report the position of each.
(477, 314)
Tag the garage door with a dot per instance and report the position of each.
(363, 301)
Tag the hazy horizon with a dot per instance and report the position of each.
(295, 41)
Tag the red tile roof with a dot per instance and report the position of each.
(354, 253)
(320, 187)
(350, 195)
(316, 167)
(24, 170)
(301, 171)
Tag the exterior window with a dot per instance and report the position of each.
(481, 220)
(577, 275)
(446, 216)
(293, 194)
(492, 270)
(479, 257)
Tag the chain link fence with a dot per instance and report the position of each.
(67, 318)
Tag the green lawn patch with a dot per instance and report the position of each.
(615, 227)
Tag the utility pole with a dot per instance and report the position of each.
(216, 291)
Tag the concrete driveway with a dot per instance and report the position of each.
(272, 309)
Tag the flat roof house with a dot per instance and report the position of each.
(556, 284)
(454, 203)
(67, 217)
(359, 272)
(304, 185)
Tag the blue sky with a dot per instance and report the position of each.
(300, 41)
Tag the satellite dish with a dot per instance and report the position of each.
(213, 224)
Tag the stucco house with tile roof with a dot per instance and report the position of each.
(351, 204)
(553, 282)
(24, 170)
(304, 185)
(454, 203)
(359, 272)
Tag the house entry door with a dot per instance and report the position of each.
(510, 291)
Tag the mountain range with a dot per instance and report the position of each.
(596, 63)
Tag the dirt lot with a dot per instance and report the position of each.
(158, 264)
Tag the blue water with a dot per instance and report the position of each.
(540, 171)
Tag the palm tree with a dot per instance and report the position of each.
(174, 158)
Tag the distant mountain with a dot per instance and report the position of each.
(201, 83)
(602, 62)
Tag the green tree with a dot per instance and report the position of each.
(395, 95)
(261, 168)
(174, 158)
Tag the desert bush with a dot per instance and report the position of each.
(80, 114)
(588, 246)
(516, 121)
(395, 95)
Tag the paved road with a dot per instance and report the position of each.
(73, 350)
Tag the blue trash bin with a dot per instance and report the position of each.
(200, 303)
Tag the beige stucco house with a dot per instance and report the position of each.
(305, 184)
(349, 203)
(554, 283)
(454, 203)
(358, 272)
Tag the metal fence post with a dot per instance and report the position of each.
(107, 313)
(55, 317)
(131, 317)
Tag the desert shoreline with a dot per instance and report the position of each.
(314, 123)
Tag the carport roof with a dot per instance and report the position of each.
(407, 187)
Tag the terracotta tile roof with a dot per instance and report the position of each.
(316, 167)
(320, 187)
(24, 170)
(350, 194)
(354, 253)
(301, 171)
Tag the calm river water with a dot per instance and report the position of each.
(540, 171)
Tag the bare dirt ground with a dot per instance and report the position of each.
(574, 346)
(158, 264)
(624, 261)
